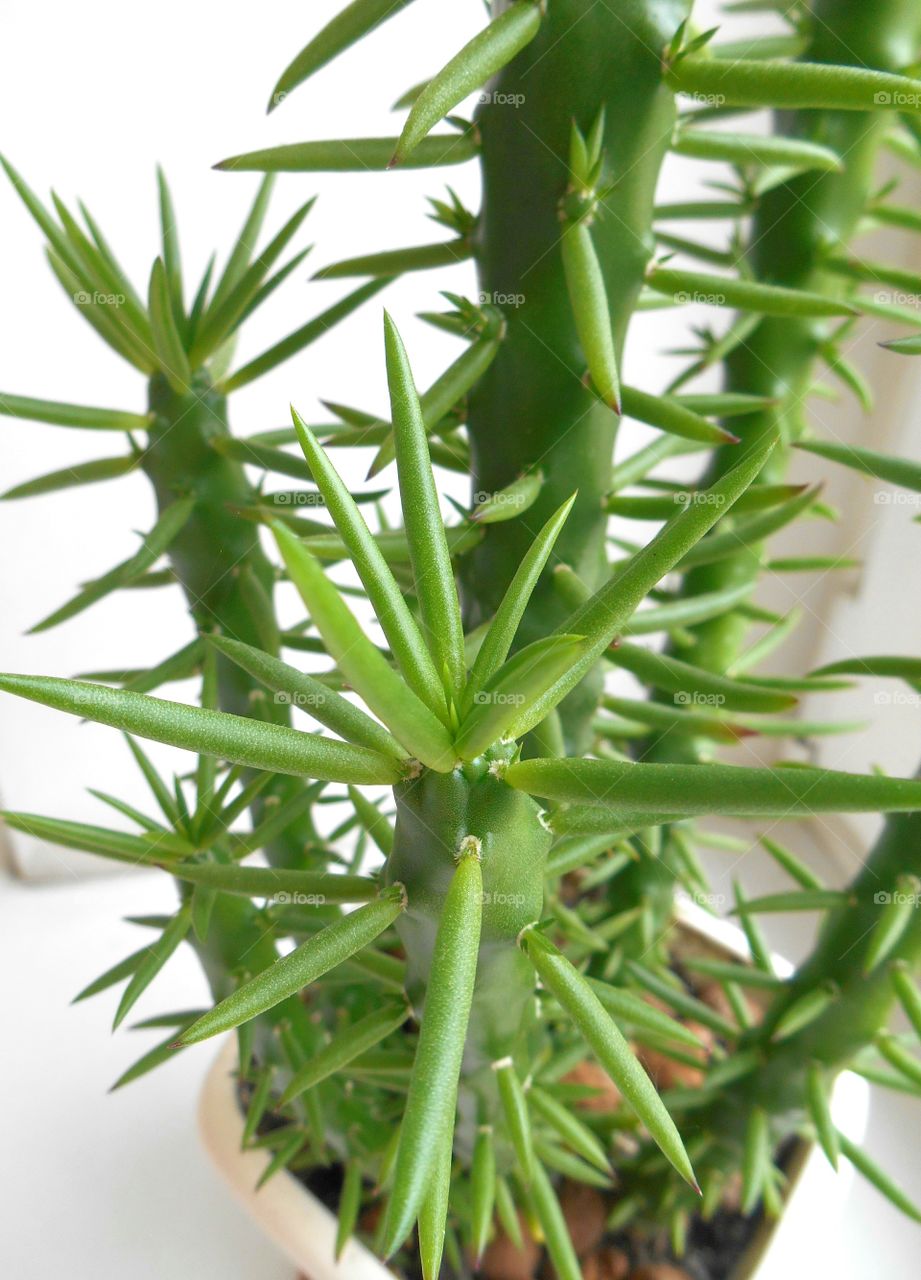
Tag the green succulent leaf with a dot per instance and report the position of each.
(253, 743)
(365, 668)
(346, 1046)
(301, 967)
(577, 997)
(354, 155)
(484, 55)
(348, 27)
(388, 601)
(60, 414)
(439, 606)
(713, 788)
(881, 466)
(432, 1097)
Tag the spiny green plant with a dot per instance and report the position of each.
(519, 923)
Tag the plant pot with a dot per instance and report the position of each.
(305, 1230)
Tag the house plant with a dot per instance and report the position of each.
(442, 1041)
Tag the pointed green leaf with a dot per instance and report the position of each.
(569, 1128)
(434, 1211)
(603, 617)
(118, 972)
(482, 1190)
(70, 477)
(347, 1045)
(498, 640)
(641, 1015)
(742, 82)
(302, 690)
(694, 685)
(301, 967)
(171, 353)
(254, 743)
(434, 577)
(589, 304)
(487, 53)
(522, 678)
(302, 337)
(875, 1175)
(746, 295)
(714, 788)
(881, 466)
(515, 1112)
(354, 155)
(573, 992)
(744, 149)
(373, 821)
(668, 414)
(172, 261)
(756, 1159)
(509, 502)
(908, 995)
(96, 311)
(349, 1205)
(59, 414)
(362, 664)
(553, 1226)
(676, 996)
(168, 526)
(432, 1098)
(152, 962)
(395, 262)
(897, 910)
(225, 313)
(117, 845)
(387, 600)
(820, 1112)
(348, 27)
(281, 883)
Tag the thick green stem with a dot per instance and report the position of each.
(797, 225)
(861, 1005)
(228, 582)
(217, 558)
(532, 408)
(436, 814)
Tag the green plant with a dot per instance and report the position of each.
(542, 826)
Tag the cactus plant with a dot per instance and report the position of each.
(422, 1024)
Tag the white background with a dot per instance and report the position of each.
(91, 96)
